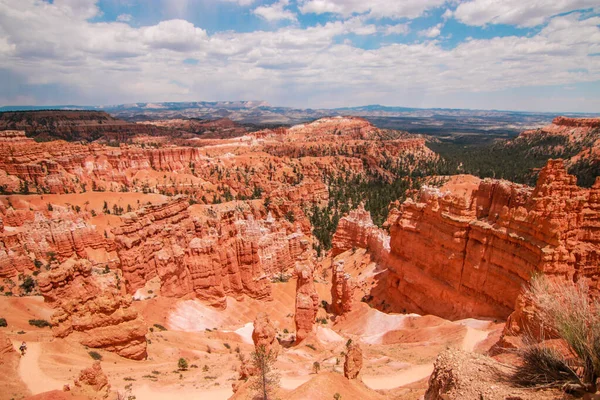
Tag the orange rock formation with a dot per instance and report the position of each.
(89, 307)
(307, 302)
(354, 361)
(342, 289)
(467, 251)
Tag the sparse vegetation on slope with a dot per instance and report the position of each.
(565, 309)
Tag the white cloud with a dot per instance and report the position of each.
(56, 50)
(176, 34)
(399, 29)
(275, 12)
(527, 13)
(124, 18)
(240, 2)
(432, 32)
(374, 8)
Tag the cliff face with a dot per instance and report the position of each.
(91, 308)
(72, 125)
(61, 233)
(226, 250)
(467, 253)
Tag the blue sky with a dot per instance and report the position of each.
(538, 55)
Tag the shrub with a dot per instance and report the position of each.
(28, 284)
(96, 356)
(182, 364)
(127, 378)
(160, 327)
(3, 323)
(40, 323)
(21, 333)
(316, 367)
(310, 346)
(227, 346)
(337, 396)
(564, 308)
(205, 368)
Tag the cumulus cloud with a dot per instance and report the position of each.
(398, 29)
(373, 8)
(177, 34)
(275, 12)
(528, 13)
(432, 32)
(124, 18)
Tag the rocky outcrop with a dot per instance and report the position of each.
(62, 234)
(265, 334)
(356, 230)
(307, 302)
(92, 383)
(354, 361)
(342, 289)
(467, 252)
(90, 308)
(461, 375)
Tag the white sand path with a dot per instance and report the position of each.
(31, 373)
(419, 372)
(146, 392)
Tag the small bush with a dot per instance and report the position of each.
(155, 372)
(21, 333)
(96, 356)
(28, 284)
(337, 396)
(227, 346)
(565, 309)
(128, 379)
(286, 330)
(316, 367)
(149, 376)
(3, 323)
(40, 323)
(160, 327)
(182, 364)
(310, 346)
(205, 368)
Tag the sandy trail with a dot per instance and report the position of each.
(151, 393)
(402, 378)
(31, 373)
(472, 338)
(419, 372)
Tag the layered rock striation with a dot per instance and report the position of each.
(307, 302)
(91, 309)
(466, 252)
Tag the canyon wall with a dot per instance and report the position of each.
(466, 251)
(223, 250)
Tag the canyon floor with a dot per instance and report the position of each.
(210, 339)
